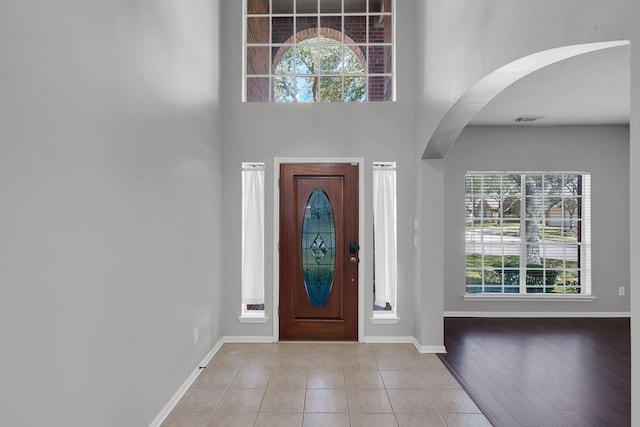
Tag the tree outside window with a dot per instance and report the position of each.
(527, 233)
(318, 69)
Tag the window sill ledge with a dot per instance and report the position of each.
(385, 320)
(253, 319)
(529, 297)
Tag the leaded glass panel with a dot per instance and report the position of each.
(318, 247)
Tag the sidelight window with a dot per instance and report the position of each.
(252, 239)
(385, 243)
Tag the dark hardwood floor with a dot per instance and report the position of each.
(544, 372)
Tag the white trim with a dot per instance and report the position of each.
(430, 349)
(277, 161)
(405, 340)
(373, 339)
(253, 319)
(171, 404)
(537, 314)
(249, 339)
(166, 410)
(422, 349)
(530, 297)
(384, 320)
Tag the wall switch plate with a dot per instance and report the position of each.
(195, 336)
(621, 291)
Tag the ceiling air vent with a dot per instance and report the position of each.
(527, 119)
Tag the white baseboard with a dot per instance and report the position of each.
(366, 339)
(388, 340)
(430, 348)
(242, 339)
(162, 415)
(405, 340)
(537, 314)
(373, 340)
(157, 421)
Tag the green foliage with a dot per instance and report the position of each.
(319, 69)
(498, 197)
(537, 279)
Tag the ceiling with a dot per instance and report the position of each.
(592, 88)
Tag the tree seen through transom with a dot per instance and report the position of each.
(320, 69)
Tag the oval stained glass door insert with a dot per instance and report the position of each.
(318, 247)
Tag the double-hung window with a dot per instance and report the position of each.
(528, 233)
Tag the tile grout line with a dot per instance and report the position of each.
(413, 367)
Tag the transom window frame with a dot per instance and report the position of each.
(585, 293)
(301, 36)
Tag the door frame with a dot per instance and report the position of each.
(276, 233)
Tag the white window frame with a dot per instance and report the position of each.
(319, 15)
(385, 224)
(584, 245)
(252, 285)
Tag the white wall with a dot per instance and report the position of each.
(429, 260)
(375, 132)
(634, 234)
(110, 177)
(110, 182)
(600, 150)
(465, 40)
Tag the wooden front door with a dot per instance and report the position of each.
(319, 251)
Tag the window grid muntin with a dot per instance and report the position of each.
(319, 14)
(477, 237)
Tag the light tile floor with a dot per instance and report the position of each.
(325, 385)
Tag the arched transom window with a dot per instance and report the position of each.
(319, 51)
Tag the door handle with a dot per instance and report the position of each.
(354, 260)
